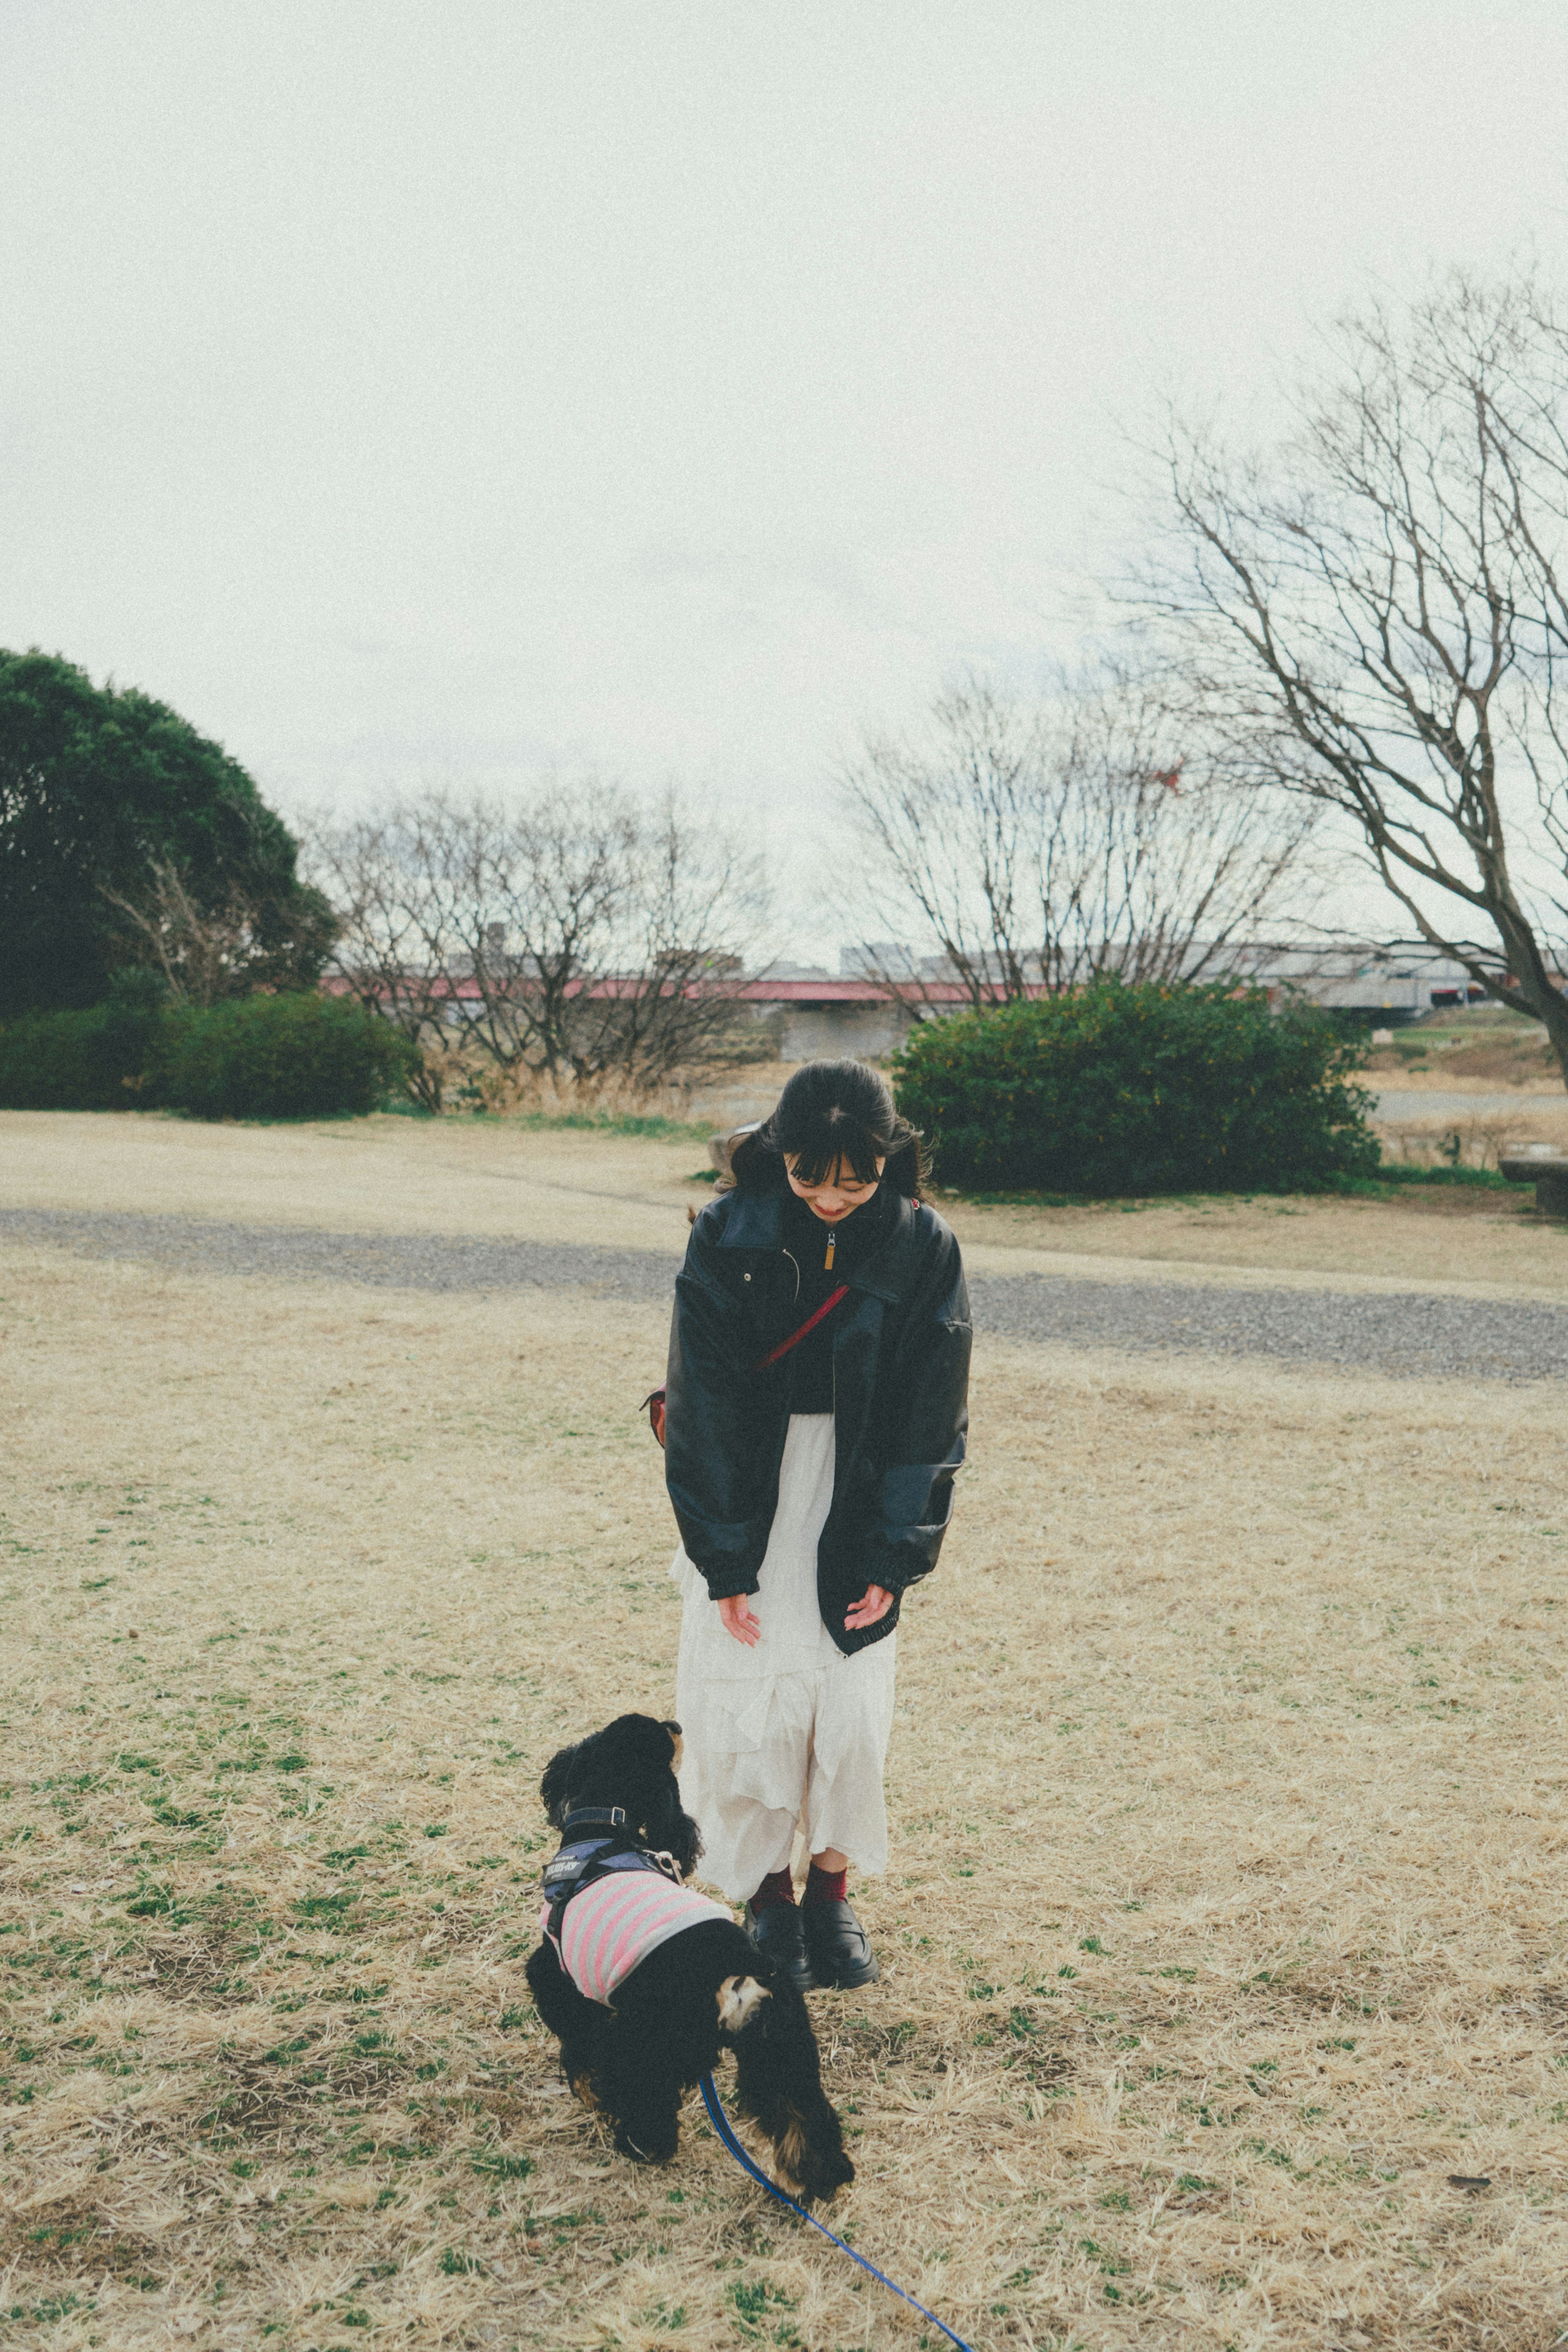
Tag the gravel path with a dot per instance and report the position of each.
(1410, 1334)
(1410, 1105)
(385, 1260)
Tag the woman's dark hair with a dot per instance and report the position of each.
(829, 1112)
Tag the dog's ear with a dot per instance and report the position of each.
(642, 1750)
(555, 1789)
(669, 1830)
(653, 1743)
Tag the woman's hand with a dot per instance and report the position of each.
(736, 1617)
(870, 1609)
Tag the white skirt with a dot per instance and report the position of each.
(787, 1737)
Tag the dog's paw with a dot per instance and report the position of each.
(738, 1998)
(659, 2153)
(822, 2175)
(812, 2168)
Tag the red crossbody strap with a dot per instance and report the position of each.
(810, 1324)
(653, 1406)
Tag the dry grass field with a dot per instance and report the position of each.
(484, 1176)
(1483, 1046)
(1223, 1938)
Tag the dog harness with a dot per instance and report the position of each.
(608, 1902)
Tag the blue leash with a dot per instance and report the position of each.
(721, 2124)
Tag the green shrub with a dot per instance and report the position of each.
(298, 1055)
(1138, 1089)
(109, 1057)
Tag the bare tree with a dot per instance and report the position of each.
(567, 941)
(951, 828)
(1045, 845)
(1374, 615)
(547, 891)
(693, 920)
(400, 921)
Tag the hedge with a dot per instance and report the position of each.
(297, 1056)
(109, 1057)
(1122, 1089)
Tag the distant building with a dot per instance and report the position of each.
(824, 1020)
(879, 960)
(882, 988)
(1388, 987)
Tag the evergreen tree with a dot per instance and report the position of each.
(103, 790)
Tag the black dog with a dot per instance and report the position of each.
(657, 2023)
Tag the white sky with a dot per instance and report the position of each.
(434, 393)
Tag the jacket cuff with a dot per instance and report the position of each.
(727, 1584)
(895, 1575)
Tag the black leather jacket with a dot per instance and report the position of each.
(901, 1381)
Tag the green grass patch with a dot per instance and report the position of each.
(505, 2168)
(651, 1126)
(1484, 1180)
(1386, 1185)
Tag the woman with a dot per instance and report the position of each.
(816, 1407)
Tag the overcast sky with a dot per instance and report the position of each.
(441, 392)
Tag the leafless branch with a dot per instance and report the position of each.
(1373, 616)
(1044, 845)
(570, 940)
(206, 950)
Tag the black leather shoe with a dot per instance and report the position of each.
(777, 1931)
(838, 1949)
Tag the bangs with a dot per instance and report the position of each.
(832, 1115)
(827, 1140)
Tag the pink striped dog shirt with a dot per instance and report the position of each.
(617, 1920)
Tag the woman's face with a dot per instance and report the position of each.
(840, 1192)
